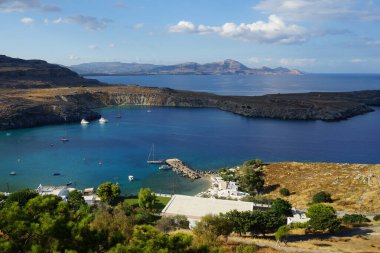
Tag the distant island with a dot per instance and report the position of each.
(226, 67)
(35, 93)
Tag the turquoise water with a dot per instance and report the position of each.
(204, 138)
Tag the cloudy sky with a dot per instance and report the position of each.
(312, 35)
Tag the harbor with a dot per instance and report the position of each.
(180, 167)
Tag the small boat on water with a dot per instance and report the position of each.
(12, 173)
(103, 120)
(64, 139)
(165, 167)
(56, 174)
(130, 178)
(69, 183)
(84, 122)
(151, 159)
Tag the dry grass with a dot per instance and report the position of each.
(354, 187)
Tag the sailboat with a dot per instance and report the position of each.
(151, 160)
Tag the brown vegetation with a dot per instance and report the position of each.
(354, 187)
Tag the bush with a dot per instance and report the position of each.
(296, 225)
(377, 217)
(21, 196)
(282, 232)
(282, 207)
(355, 219)
(284, 192)
(322, 197)
(323, 217)
(243, 248)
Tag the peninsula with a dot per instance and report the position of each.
(35, 93)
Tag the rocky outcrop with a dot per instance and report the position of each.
(35, 107)
(19, 73)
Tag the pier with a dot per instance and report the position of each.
(179, 167)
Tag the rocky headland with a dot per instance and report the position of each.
(35, 93)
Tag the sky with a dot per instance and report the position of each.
(319, 36)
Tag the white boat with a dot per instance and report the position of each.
(165, 167)
(103, 120)
(130, 178)
(84, 122)
(64, 139)
(13, 173)
(151, 159)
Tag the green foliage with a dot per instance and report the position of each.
(284, 192)
(376, 217)
(322, 197)
(147, 198)
(108, 192)
(210, 227)
(252, 181)
(282, 232)
(253, 163)
(75, 199)
(21, 196)
(260, 199)
(323, 217)
(296, 225)
(168, 223)
(244, 248)
(354, 219)
(282, 207)
(228, 175)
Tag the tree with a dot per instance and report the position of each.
(108, 192)
(210, 227)
(354, 219)
(376, 217)
(252, 181)
(147, 198)
(282, 207)
(322, 197)
(21, 196)
(284, 192)
(168, 223)
(75, 199)
(323, 217)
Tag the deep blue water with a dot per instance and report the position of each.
(253, 85)
(204, 138)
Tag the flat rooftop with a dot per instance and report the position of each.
(197, 207)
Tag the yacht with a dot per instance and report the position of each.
(64, 139)
(103, 120)
(130, 178)
(84, 122)
(151, 159)
(164, 167)
(13, 173)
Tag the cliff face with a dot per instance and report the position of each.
(19, 73)
(35, 107)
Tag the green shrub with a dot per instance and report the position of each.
(296, 225)
(322, 197)
(282, 232)
(376, 217)
(244, 248)
(355, 219)
(282, 207)
(323, 217)
(284, 192)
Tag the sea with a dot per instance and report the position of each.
(204, 138)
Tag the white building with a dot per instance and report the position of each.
(194, 208)
(90, 197)
(60, 191)
(297, 218)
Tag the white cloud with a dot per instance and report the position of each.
(319, 9)
(92, 47)
(373, 43)
(111, 45)
(26, 5)
(74, 57)
(88, 22)
(357, 60)
(27, 21)
(297, 62)
(273, 31)
(138, 26)
(254, 60)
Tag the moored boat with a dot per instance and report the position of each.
(151, 159)
(103, 120)
(130, 178)
(165, 167)
(84, 122)
(12, 173)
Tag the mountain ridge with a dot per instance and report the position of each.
(225, 67)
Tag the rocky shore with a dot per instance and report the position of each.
(21, 108)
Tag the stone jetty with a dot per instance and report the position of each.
(179, 167)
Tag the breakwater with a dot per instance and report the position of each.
(179, 167)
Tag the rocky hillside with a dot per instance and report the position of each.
(226, 67)
(34, 107)
(19, 73)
